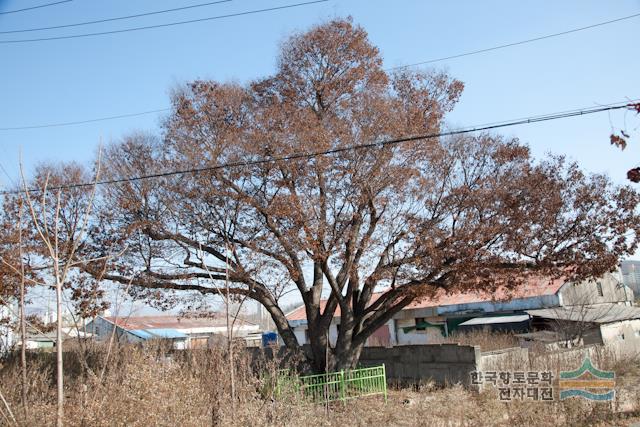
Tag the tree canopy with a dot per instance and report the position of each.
(405, 219)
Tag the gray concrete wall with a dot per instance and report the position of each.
(410, 364)
(441, 363)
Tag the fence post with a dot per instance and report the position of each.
(342, 387)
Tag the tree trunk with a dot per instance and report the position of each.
(337, 358)
(348, 358)
(321, 359)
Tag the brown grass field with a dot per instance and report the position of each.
(135, 386)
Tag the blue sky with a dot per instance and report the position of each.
(85, 78)
(77, 79)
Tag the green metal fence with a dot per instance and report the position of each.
(340, 385)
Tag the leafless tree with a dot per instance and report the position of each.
(58, 219)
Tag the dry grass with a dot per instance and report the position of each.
(150, 387)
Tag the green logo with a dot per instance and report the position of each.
(588, 382)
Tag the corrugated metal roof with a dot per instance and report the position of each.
(141, 333)
(534, 287)
(148, 334)
(496, 319)
(167, 333)
(601, 313)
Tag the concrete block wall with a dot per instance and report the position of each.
(442, 363)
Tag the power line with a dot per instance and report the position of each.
(521, 42)
(297, 156)
(79, 122)
(388, 69)
(35, 7)
(100, 21)
(162, 110)
(623, 104)
(169, 24)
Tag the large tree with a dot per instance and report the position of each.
(407, 219)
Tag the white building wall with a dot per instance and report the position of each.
(626, 330)
(333, 334)
(414, 337)
(300, 332)
(393, 339)
(7, 335)
(606, 289)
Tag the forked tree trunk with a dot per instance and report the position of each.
(348, 358)
(342, 356)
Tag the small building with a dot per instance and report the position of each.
(597, 324)
(39, 341)
(427, 320)
(46, 340)
(183, 332)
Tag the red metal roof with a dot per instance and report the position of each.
(534, 287)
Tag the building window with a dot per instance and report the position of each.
(306, 336)
(599, 286)
(420, 324)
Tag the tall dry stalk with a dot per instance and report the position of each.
(10, 417)
(229, 326)
(23, 325)
(230, 319)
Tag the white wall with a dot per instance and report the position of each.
(7, 336)
(614, 332)
(414, 337)
(300, 333)
(393, 332)
(586, 292)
